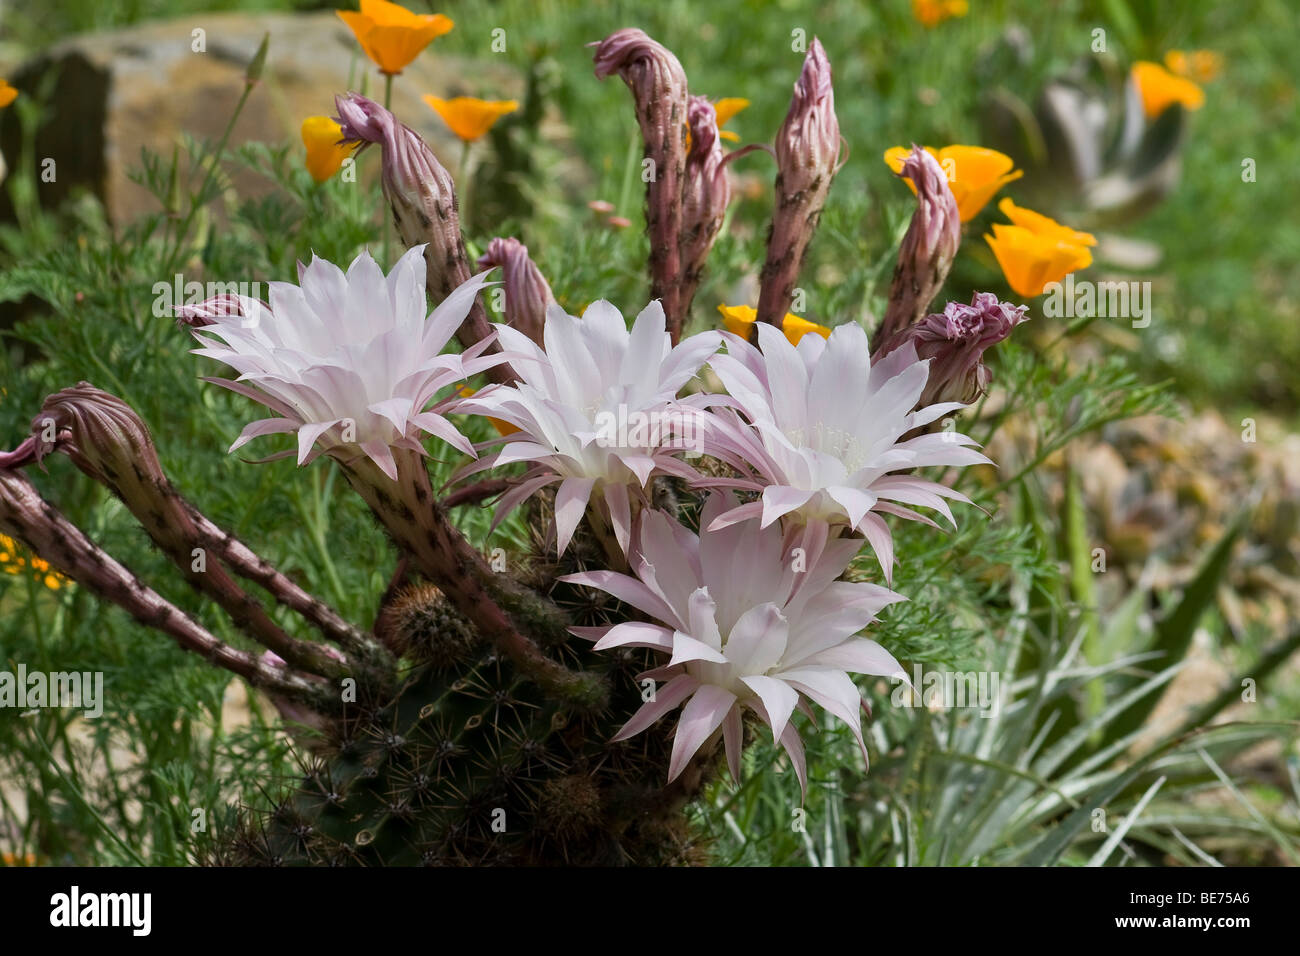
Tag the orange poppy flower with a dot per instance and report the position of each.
(739, 319)
(726, 108)
(7, 94)
(1201, 66)
(503, 428)
(470, 118)
(1044, 226)
(931, 13)
(391, 35)
(1160, 89)
(325, 155)
(1030, 261)
(974, 173)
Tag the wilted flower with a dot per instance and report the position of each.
(470, 118)
(349, 361)
(527, 293)
(740, 319)
(929, 246)
(823, 433)
(974, 173)
(745, 628)
(807, 156)
(1037, 249)
(954, 341)
(931, 13)
(392, 35)
(595, 410)
(1161, 89)
(658, 85)
(325, 149)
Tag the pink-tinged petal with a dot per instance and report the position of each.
(855, 502)
(570, 505)
(248, 391)
(628, 590)
(665, 699)
(620, 514)
(703, 714)
(733, 733)
(396, 410)
(793, 745)
(520, 492)
(703, 621)
(263, 426)
(636, 634)
(781, 500)
(381, 455)
(779, 700)
(736, 515)
(758, 639)
(834, 691)
(307, 435)
(859, 656)
(640, 465)
(687, 648)
(882, 543)
(523, 451)
(439, 427)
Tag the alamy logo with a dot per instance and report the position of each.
(75, 908)
(950, 690)
(178, 292)
(27, 691)
(1102, 300)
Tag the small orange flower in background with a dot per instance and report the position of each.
(470, 118)
(13, 859)
(739, 319)
(974, 173)
(1037, 249)
(7, 94)
(13, 562)
(1160, 89)
(391, 35)
(931, 13)
(1202, 66)
(325, 154)
(726, 108)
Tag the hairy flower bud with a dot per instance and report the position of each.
(705, 195)
(423, 199)
(807, 155)
(928, 248)
(954, 341)
(658, 85)
(527, 291)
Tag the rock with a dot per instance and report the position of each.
(118, 91)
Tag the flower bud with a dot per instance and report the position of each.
(928, 248)
(658, 85)
(807, 154)
(527, 292)
(705, 195)
(954, 341)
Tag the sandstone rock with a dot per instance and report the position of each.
(118, 91)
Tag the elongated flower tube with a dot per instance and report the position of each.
(750, 623)
(658, 85)
(954, 341)
(595, 411)
(349, 361)
(528, 294)
(706, 192)
(929, 246)
(807, 156)
(821, 434)
(423, 199)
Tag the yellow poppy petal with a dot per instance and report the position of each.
(729, 106)
(470, 118)
(737, 319)
(1201, 66)
(1042, 225)
(1030, 261)
(391, 35)
(975, 173)
(7, 94)
(325, 156)
(930, 13)
(796, 328)
(1160, 89)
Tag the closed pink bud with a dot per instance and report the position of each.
(807, 154)
(929, 247)
(706, 192)
(527, 291)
